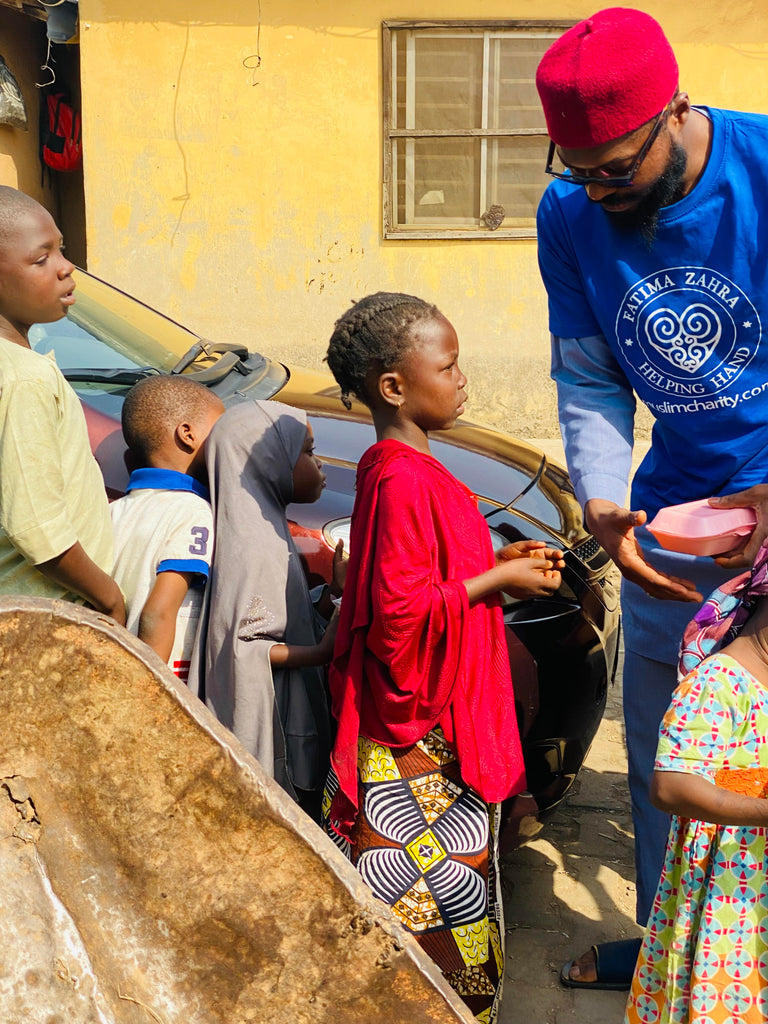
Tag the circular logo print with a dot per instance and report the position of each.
(686, 331)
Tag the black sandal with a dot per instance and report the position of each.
(614, 966)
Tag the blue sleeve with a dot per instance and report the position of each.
(188, 543)
(197, 566)
(596, 408)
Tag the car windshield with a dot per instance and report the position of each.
(109, 340)
(107, 329)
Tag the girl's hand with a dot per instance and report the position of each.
(527, 568)
(530, 549)
(532, 576)
(340, 562)
(325, 647)
(303, 655)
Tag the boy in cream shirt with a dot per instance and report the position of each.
(55, 534)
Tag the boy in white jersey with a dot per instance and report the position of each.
(163, 526)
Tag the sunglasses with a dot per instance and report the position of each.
(610, 180)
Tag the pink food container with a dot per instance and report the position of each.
(697, 529)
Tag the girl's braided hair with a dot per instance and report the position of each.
(372, 337)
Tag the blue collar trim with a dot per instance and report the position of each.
(151, 478)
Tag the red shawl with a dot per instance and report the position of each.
(410, 651)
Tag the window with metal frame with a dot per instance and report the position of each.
(465, 140)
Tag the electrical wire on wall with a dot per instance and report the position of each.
(185, 196)
(253, 62)
(47, 65)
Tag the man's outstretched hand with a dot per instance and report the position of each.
(614, 529)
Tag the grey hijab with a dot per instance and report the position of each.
(257, 596)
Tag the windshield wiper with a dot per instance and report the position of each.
(228, 358)
(117, 375)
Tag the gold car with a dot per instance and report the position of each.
(563, 649)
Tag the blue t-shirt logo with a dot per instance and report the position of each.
(686, 332)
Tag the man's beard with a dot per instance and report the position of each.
(644, 218)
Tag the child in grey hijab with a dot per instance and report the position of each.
(259, 665)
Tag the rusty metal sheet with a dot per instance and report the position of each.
(150, 872)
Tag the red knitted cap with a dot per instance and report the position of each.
(605, 77)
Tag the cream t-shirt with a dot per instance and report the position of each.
(51, 488)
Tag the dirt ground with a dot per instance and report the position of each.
(570, 887)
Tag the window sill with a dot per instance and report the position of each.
(460, 234)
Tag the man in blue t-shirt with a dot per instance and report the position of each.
(649, 247)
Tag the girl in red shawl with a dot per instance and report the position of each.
(427, 742)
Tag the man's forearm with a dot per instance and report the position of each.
(596, 409)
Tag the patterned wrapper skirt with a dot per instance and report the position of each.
(426, 844)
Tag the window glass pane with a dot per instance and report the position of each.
(447, 82)
(515, 178)
(513, 100)
(400, 41)
(445, 180)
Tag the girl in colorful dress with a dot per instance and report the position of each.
(704, 957)
(427, 742)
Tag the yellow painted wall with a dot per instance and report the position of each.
(22, 48)
(23, 45)
(247, 202)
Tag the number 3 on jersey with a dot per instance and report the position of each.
(200, 547)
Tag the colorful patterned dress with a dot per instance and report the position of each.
(704, 958)
(425, 843)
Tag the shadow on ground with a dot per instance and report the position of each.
(571, 887)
